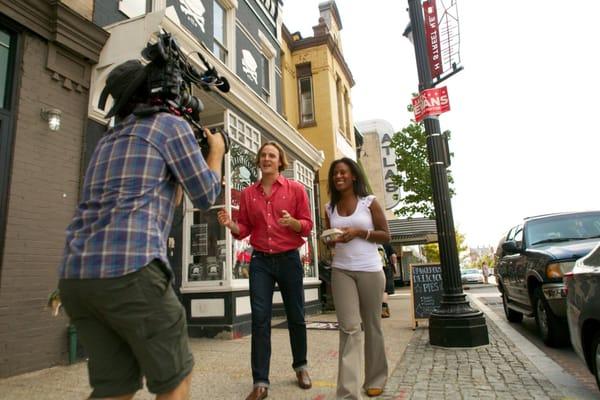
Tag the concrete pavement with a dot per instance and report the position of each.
(505, 369)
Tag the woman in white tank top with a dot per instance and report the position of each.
(357, 279)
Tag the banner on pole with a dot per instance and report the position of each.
(442, 34)
(432, 35)
(430, 102)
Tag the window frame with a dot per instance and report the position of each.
(306, 177)
(268, 52)
(7, 123)
(304, 72)
(221, 44)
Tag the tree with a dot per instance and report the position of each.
(413, 175)
(488, 259)
(431, 251)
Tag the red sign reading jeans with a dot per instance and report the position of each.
(433, 101)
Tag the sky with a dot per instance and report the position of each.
(524, 137)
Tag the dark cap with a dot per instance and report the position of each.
(121, 83)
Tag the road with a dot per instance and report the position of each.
(565, 357)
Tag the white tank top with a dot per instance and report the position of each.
(357, 254)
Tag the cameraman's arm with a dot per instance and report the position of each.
(216, 144)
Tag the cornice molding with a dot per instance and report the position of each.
(315, 41)
(57, 23)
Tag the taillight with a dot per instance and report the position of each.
(566, 278)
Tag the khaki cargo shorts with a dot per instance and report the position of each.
(130, 327)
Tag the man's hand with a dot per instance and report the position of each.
(224, 219)
(287, 220)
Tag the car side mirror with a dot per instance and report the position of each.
(511, 247)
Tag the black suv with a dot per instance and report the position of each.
(530, 263)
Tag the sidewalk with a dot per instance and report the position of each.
(505, 369)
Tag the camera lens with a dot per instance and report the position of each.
(192, 102)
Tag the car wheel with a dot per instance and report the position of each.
(554, 331)
(511, 315)
(594, 357)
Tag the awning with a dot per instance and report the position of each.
(412, 231)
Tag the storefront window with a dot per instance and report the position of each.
(307, 251)
(305, 175)
(243, 174)
(207, 254)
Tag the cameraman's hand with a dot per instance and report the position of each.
(216, 145)
(215, 141)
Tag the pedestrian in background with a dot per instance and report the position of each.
(358, 280)
(115, 278)
(486, 272)
(275, 213)
(388, 269)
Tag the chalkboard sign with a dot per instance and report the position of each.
(426, 290)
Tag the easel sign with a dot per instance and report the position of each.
(425, 290)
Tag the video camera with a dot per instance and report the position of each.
(169, 76)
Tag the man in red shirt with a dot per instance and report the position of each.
(276, 215)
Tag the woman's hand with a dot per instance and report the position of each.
(348, 234)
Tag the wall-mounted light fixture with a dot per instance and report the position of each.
(52, 115)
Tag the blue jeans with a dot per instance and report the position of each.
(285, 269)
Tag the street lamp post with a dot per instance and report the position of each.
(455, 323)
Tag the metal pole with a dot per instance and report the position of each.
(455, 323)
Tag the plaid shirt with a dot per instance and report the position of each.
(128, 197)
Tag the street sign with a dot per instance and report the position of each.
(429, 102)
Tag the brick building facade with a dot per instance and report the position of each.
(48, 53)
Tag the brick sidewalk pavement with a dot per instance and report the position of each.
(495, 371)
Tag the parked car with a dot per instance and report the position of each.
(471, 275)
(531, 261)
(583, 309)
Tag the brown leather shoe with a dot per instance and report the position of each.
(303, 379)
(374, 392)
(258, 393)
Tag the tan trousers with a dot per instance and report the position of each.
(357, 297)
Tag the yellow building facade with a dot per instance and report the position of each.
(316, 90)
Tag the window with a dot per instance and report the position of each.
(349, 130)
(5, 40)
(132, 8)
(220, 32)
(340, 105)
(305, 94)
(267, 68)
(8, 73)
(242, 132)
(306, 176)
(265, 78)
(243, 173)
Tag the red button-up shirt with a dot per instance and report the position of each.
(259, 213)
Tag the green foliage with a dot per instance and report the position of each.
(414, 177)
(431, 251)
(488, 259)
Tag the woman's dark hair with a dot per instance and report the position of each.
(359, 185)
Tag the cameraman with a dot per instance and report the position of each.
(115, 278)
